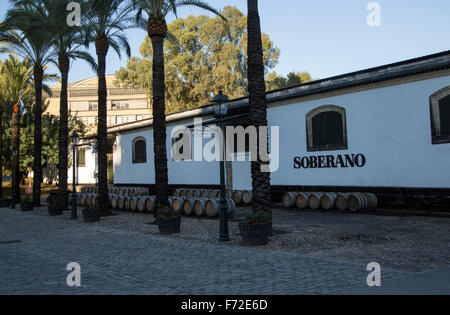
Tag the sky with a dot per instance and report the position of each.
(326, 37)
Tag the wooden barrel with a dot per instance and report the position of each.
(188, 206)
(140, 204)
(356, 202)
(204, 193)
(114, 201)
(237, 197)
(133, 203)
(150, 203)
(212, 193)
(247, 197)
(83, 190)
(177, 203)
(200, 207)
(328, 201)
(341, 201)
(212, 207)
(126, 203)
(302, 200)
(289, 199)
(182, 193)
(177, 192)
(372, 201)
(189, 193)
(314, 200)
(196, 193)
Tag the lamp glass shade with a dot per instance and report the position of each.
(75, 138)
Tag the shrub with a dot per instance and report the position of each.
(166, 212)
(259, 217)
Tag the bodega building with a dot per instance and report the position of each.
(384, 130)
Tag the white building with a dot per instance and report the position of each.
(385, 130)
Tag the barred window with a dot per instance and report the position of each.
(440, 116)
(139, 151)
(326, 129)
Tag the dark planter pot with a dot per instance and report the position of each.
(56, 197)
(4, 203)
(54, 210)
(91, 215)
(169, 226)
(254, 234)
(26, 206)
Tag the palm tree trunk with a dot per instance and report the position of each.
(258, 106)
(1, 153)
(15, 143)
(159, 123)
(37, 164)
(63, 132)
(103, 197)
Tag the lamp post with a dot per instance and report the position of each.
(75, 140)
(14, 175)
(220, 110)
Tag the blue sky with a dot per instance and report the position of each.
(329, 37)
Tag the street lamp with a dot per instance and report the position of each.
(75, 140)
(15, 153)
(220, 111)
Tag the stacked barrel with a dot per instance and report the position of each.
(240, 197)
(201, 203)
(328, 201)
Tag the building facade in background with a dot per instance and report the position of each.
(124, 104)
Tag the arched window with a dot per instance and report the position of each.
(440, 116)
(139, 150)
(326, 129)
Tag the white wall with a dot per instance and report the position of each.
(86, 175)
(390, 126)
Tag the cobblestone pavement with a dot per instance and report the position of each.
(120, 261)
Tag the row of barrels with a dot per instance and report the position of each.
(323, 200)
(238, 196)
(199, 207)
(132, 191)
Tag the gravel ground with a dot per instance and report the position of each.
(408, 243)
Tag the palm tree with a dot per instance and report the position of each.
(34, 44)
(258, 107)
(156, 27)
(105, 23)
(67, 42)
(16, 83)
(3, 101)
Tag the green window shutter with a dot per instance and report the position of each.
(328, 129)
(140, 152)
(444, 113)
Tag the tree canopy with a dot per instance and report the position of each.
(275, 81)
(203, 55)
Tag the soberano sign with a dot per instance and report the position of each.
(330, 161)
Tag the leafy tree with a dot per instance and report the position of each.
(275, 82)
(16, 86)
(34, 44)
(156, 26)
(202, 56)
(258, 108)
(105, 25)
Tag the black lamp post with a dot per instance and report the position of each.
(220, 110)
(75, 139)
(14, 175)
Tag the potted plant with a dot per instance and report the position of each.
(255, 229)
(53, 206)
(91, 213)
(26, 204)
(169, 220)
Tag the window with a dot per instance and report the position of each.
(440, 116)
(326, 129)
(81, 161)
(93, 105)
(139, 151)
(120, 104)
